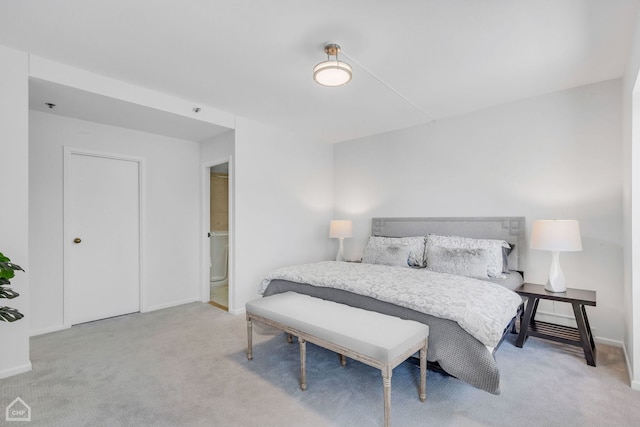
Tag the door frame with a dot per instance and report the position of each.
(205, 225)
(67, 221)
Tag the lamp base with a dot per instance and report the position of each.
(557, 282)
(340, 256)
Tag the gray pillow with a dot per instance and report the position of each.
(459, 261)
(391, 254)
(390, 250)
(493, 248)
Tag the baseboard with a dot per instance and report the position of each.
(186, 301)
(635, 385)
(15, 371)
(607, 341)
(48, 330)
(168, 305)
(558, 319)
(237, 310)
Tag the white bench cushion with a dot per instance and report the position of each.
(379, 336)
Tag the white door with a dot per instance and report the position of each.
(102, 236)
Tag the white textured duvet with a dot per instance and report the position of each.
(483, 309)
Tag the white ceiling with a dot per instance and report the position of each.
(254, 58)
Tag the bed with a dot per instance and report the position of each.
(461, 344)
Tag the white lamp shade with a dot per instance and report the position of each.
(341, 229)
(556, 235)
(332, 73)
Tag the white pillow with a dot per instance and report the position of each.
(459, 261)
(492, 247)
(402, 251)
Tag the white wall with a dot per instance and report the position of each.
(554, 156)
(283, 195)
(14, 131)
(283, 203)
(218, 148)
(171, 212)
(631, 210)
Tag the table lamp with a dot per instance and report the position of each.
(556, 236)
(340, 229)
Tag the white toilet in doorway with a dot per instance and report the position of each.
(219, 242)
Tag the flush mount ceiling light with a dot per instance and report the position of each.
(332, 72)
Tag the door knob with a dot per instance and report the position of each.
(77, 240)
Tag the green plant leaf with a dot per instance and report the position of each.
(8, 293)
(8, 314)
(7, 274)
(6, 265)
(7, 269)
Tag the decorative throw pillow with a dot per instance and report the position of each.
(459, 261)
(402, 251)
(493, 248)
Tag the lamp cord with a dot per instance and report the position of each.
(398, 94)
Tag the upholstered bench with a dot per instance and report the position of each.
(372, 338)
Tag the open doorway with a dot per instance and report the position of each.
(219, 235)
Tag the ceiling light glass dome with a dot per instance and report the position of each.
(332, 72)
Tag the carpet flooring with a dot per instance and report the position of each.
(186, 366)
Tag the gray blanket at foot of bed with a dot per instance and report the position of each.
(457, 352)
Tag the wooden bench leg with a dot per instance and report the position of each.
(303, 363)
(249, 338)
(423, 373)
(343, 360)
(386, 384)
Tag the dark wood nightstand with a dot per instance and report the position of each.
(580, 336)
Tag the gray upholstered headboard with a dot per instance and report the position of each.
(510, 229)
